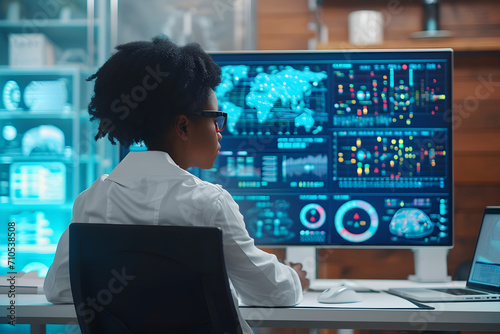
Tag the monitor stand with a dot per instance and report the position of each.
(430, 263)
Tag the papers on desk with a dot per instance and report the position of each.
(21, 283)
(371, 300)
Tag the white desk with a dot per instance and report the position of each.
(471, 316)
(484, 316)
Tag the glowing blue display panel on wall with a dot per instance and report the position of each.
(339, 148)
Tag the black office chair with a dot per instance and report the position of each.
(150, 279)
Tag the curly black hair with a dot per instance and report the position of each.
(144, 86)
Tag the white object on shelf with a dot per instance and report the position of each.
(30, 50)
(366, 27)
(40, 96)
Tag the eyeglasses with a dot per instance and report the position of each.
(220, 121)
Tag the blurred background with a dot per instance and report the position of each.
(49, 47)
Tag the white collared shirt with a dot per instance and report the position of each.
(148, 188)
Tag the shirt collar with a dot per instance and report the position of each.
(137, 165)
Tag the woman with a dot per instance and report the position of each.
(163, 95)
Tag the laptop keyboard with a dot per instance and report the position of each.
(455, 291)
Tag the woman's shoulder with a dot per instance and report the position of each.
(207, 186)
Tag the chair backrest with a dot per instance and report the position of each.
(150, 279)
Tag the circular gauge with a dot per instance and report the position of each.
(356, 221)
(11, 95)
(312, 216)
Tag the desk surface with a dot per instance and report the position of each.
(459, 316)
(472, 316)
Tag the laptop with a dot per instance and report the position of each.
(483, 282)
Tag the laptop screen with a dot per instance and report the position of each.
(485, 270)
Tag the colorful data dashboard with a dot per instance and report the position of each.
(338, 148)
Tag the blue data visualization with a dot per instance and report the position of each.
(338, 148)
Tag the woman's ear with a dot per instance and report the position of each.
(181, 127)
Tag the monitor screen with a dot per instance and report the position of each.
(338, 148)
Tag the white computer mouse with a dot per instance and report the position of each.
(340, 294)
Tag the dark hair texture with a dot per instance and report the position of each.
(144, 86)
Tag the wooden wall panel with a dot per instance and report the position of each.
(479, 169)
(283, 43)
(465, 20)
(485, 142)
(281, 7)
(477, 89)
(282, 25)
(476, 99)
(484, 118)
(359, 263)
(477, 125)
(473, 197)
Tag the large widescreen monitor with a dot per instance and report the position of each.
(339, 148)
